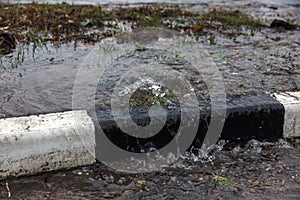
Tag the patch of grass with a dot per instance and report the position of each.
(212, 40)
(223, 182)
(60, 22)
(146, 97)
(153, 20)
(140, 47)
(173, 59)
(186, 41)
(234, 19)
(279, 54)
(40, 23)
(108, 48)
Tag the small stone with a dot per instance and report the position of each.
(141, 183)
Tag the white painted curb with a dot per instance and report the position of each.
(291, 103)
(33, 144)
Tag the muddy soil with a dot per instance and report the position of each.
(243, 170)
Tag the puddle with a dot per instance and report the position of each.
(249, 65)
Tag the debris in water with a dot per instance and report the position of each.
(7, 43)
(8, 190)
(280, 24)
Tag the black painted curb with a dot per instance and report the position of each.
(247, 117)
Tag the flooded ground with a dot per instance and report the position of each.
(252, 56)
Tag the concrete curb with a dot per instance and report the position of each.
(248, 117)
(291, 103)
(33, 144)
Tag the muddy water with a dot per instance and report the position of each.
(42, 81)
(266, 62)
(41, 84)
